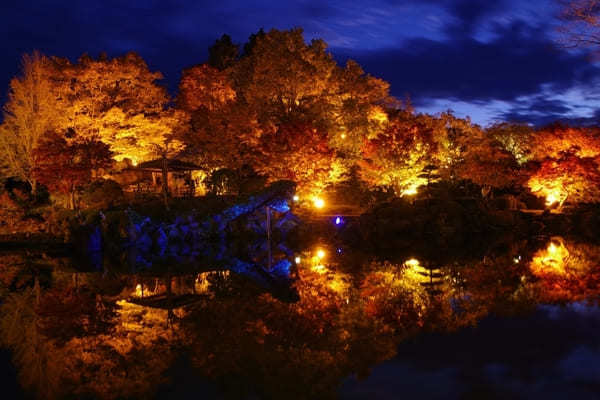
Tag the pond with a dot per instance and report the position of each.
(317, 319)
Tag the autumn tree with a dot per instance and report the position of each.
(566, 162)
(514, 138)
(204, 87)
(398, 156)
(63, 163)
(466, 152)
(283, 76)
(556, 140)
(35, 107)
(489, 165)
(150, 136)
(356, 109)
(110, 99)
(220, 126)
(299, 152)
(566, 178)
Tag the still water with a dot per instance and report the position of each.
(318, 321)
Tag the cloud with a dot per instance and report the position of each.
(478, 54)
(519, 62)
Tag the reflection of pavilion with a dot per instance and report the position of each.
(433, 276)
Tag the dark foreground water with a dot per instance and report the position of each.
(518, 320)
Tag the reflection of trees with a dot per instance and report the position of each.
(77, 340)
(285, 350)
(69, 342)
(36, 358)
(566, 271)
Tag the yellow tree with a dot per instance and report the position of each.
(145, 137)
(356, 114)
(35, 107)
(102, 90)
(515, 138)
(399, 156)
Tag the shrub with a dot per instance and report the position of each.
(101, 194)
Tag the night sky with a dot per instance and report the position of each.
(489, 59)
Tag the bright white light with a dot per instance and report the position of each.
(320, 253)
(551, 199)
(297, 260)
(413, 262)
(318, 202)
(296, 197)
(410, 191)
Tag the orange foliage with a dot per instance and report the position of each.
(296, 151)
(568, 178)
(557, 140)
(204, 86)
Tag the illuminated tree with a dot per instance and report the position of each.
(355, 112)
(99, 85)
(63, 163)
(566, 164)
(398, 156)
(565, 271)
(556, 140)
(297, 152)
(226, 137)
(115, 101)
(283, 76)
(35, 107)
(567, 178)
(222, 129)
(488, 165)
(145, 137)
(205, 87)
(515, 138)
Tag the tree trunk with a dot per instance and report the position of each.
(36, 288)
(165, 183)
(33, 184)
(72, 195)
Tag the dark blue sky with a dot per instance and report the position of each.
(489, 59)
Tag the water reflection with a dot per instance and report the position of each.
(295, 330)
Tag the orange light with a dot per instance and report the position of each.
(320, 254)
(318, 202)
